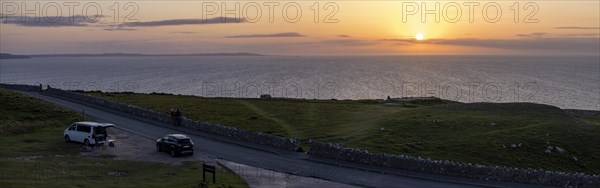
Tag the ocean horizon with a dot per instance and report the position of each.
(563, 81)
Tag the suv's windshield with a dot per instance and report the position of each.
(184, 141)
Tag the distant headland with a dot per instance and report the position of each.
(12, 56)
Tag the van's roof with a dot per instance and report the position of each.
(95, 124)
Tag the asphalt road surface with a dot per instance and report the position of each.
(295, 163)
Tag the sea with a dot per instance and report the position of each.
(570, 82)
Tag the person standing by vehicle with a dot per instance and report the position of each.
(177, 117)
(173, 116)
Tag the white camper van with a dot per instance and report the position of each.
(88, 133)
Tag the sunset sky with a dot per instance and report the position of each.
(357, 28)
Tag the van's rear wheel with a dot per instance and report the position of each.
(67, 139)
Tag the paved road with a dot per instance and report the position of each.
(278, 160)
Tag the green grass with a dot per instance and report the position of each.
(435, 129)
(23, 114)
(33, 154)
(71, 171)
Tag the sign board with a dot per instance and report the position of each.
(210, 169)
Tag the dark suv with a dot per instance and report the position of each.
(175, 144)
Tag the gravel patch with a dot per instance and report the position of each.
(130, 146)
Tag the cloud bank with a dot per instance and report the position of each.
(52, 21)
(584, 28)
(288, 34)
(175, 22)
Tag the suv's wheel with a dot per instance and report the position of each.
(67, 138)
(173, 154)
(158, 148)
(86, 142)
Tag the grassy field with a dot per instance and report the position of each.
(468, 132)
(33, 154)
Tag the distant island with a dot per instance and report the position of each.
(11, 56)
(134, 54)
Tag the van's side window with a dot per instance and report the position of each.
(81, 128)
(72, 128)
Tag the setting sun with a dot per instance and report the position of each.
(419, 36)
